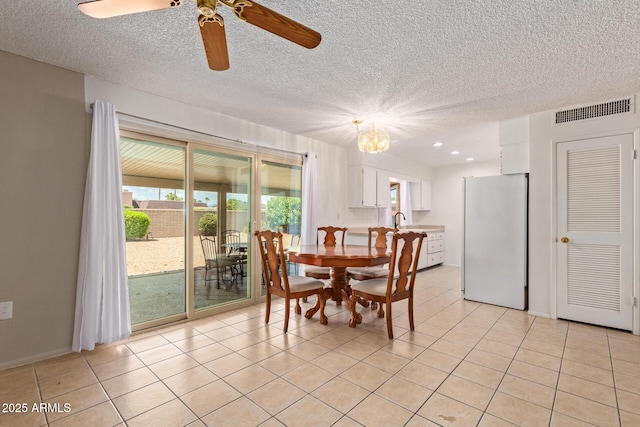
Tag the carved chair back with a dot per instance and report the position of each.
(331, 235)
(273, 259)
(404, 258)
(380, 234)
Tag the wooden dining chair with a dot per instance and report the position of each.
(398, 284)
(367, 273)
(377, 237)
(330, 237)
(278, 282)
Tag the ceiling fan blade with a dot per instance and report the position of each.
(109, 8)
(215, 41)
(275, 23)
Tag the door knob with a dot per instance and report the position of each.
(565, 240)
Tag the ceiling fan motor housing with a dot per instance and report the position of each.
(207, 7)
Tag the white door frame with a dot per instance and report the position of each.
(636, 219)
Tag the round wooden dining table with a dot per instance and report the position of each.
(339, 258)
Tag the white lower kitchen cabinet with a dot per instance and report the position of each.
(431, 253)
(432, 250)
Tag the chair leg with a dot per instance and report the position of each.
(411, 313)
(286, 315)
(298, 308)
(218, 277)
(323, 301)
(233, 283)
(241, 268)
(389, 325)
(207, 285)
(267, 313)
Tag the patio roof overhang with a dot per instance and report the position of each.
(149, 164)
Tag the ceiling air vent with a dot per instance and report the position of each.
(592, 111)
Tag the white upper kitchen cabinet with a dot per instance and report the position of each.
(421, 196)
(383, 189)
(368, 187)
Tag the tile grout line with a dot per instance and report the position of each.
(312, 334)
(615, 389)
(463, 359)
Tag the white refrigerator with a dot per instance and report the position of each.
(494, 247)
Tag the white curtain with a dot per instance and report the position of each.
(405, 202)
(102, 296)
(309, 199)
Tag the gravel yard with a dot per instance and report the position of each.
(159, 255)
(166, 254)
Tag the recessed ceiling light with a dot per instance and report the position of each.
(455, 152)
(469, 159)
(437, 144)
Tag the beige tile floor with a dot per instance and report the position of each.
(466, 364)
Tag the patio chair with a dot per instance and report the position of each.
(393, 287)
(295, 241)
(330, 238)
(214, 260)
(234, 249)
(278, 282)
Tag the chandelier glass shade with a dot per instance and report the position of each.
(373, 140)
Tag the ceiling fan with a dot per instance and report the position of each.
(211, 23)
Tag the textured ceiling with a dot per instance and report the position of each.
(427, 70)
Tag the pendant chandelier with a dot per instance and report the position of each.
(372, 140)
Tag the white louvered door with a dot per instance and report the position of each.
(595, 231)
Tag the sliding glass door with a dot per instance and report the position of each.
(221, 218)
(281, 201)
(189, 212)
(153, 191)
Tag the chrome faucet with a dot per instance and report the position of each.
(395, 219)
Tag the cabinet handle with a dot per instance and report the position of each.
(564, 240)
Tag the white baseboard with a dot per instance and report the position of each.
(538, 314)
(34, 358)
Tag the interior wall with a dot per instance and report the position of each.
(541, 203)
(397, 167)
(45, 152)
(544, 136)
(446, 203)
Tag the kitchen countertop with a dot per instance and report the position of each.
(416, 227)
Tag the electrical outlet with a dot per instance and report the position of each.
(6, 310)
